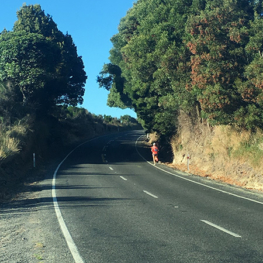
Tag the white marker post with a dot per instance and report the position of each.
(34, 160)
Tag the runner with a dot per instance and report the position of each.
(155, 151)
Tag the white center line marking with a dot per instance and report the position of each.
(221, 228)
(111, 168)
(123, 178)
(148, 193)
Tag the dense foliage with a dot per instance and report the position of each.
(39, 66)
(185, 55)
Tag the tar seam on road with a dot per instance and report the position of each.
(189, 180)
(72, 246)
(221, 228)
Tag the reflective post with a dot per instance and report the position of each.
(34, 160)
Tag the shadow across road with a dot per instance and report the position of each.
(118, 149)
(46, 203)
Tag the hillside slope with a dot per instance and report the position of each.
(220, 152)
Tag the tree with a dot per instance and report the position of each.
(41, 62)
(28, 61)
(153, 58)
(127, 119)
(33, 19)
(188, 55)
(251, 89)
(110, 78)
(10, 108)
(218, 39)
(107, 118)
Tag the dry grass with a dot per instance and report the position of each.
(10, 140)
(221, 152)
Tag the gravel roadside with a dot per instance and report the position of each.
(29, 230)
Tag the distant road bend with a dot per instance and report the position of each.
(113, 205)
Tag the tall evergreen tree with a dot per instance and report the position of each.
(150, 51)
(41, 61)
(191, 54)
(218, 39)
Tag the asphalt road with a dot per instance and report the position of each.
(115, 206)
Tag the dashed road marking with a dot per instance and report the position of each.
(111, 168)
(221, 228)
(123, 178)
(148, 193)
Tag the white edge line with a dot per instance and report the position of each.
(148, 193)
(123, 178)
(189, 180)
(72, 246)
(221, 228)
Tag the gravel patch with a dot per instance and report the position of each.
(29, 230)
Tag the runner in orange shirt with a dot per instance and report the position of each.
(155, 151)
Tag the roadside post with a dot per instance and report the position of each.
(34, 160)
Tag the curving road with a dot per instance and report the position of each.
(113, 205)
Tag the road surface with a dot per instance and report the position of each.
(113, 205)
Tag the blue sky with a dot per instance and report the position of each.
(91, 23)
